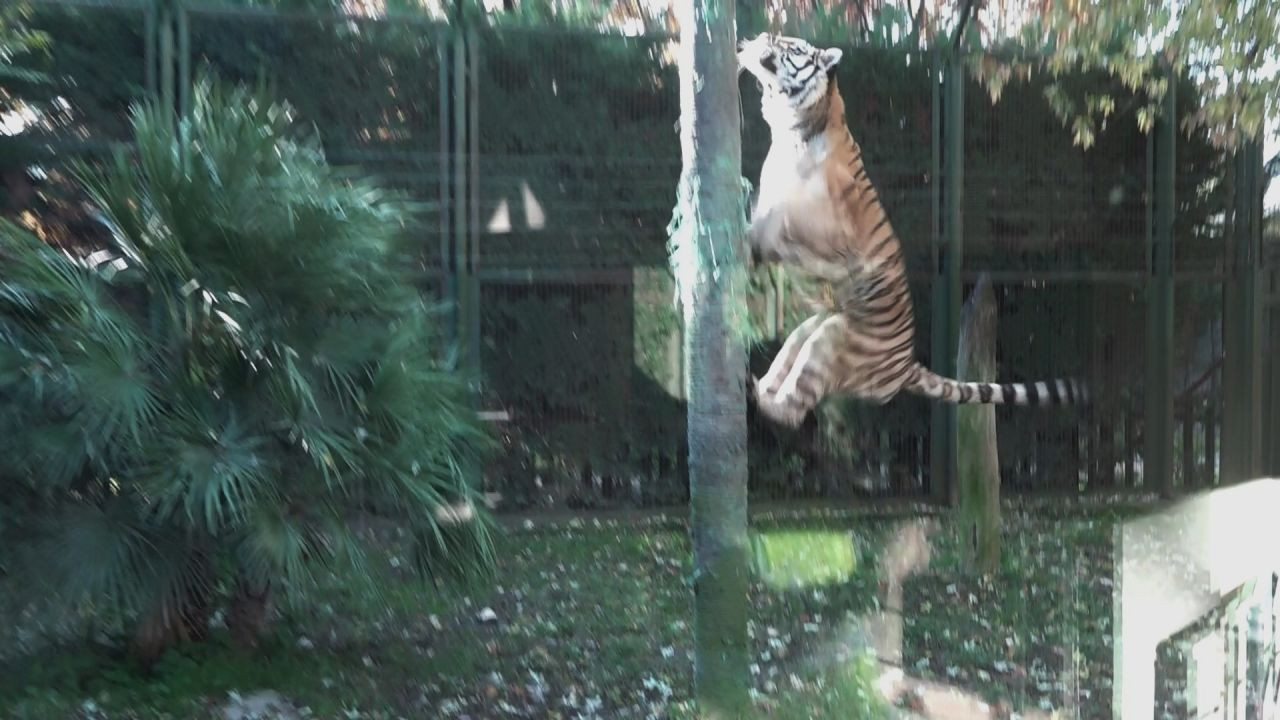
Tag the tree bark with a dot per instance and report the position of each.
(978, 463)
(706, 256)
(171, 623)
(249, 613)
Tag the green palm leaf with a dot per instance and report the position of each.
(242, 365)
(207, 472)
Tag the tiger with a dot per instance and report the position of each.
(817, 211)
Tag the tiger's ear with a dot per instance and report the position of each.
(829, 58)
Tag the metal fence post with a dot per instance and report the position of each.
(167, 52)
(1242, 366)
(948, 227)
(1157, 437)
(149, 50)
(465, 288)
(184, 58)
(1271, 405)
(473, 197)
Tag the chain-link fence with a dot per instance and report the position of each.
(545, 163)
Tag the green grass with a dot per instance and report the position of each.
(596, 616)
(589, 615)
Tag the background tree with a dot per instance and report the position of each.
(19, 44)
(195, 410)
(706, 237)
(1229, 50)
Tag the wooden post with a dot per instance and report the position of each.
(978, 462)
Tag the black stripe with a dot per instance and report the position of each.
(1053, 392)
(859, 349)
(887, 334)
(1033, 395)
(1009, 392)
(888, 238)
(898, 374)
(879, 321)
(886, 373)
(984, 392)
(894, 293)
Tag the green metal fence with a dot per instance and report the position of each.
(546, 163)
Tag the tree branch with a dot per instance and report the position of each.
(965, 12)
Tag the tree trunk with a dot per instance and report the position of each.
(978, 466)
(170, 623)
(249, 613)
(706, 255)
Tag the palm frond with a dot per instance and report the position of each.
(244, 361)
(278, 548)
(207, 470)
(106, 554)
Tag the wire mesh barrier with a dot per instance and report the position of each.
(104, 64)
(75, 109)
(545, 162)
(374, 91)
(578, 153)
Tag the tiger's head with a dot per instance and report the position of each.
(794, 75)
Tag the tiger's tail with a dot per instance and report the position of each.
(1053, 392)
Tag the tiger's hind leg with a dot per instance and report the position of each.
(808, 376)
(786, 357)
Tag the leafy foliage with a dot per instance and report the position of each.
(244, 364)
(1228, 50)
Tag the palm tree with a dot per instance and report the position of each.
(198, 406)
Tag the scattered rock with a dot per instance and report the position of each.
(260, 705)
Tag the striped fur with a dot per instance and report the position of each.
(818, 212)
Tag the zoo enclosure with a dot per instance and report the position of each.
(545, 161)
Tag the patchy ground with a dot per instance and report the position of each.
(591, 619)
(1037, 635)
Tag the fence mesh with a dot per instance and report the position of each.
(552, 158)
(374, 91)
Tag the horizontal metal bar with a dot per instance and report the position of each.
(262, 13)
(96, 4)
(564, 31)
(1080, 276)
(510, 275)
